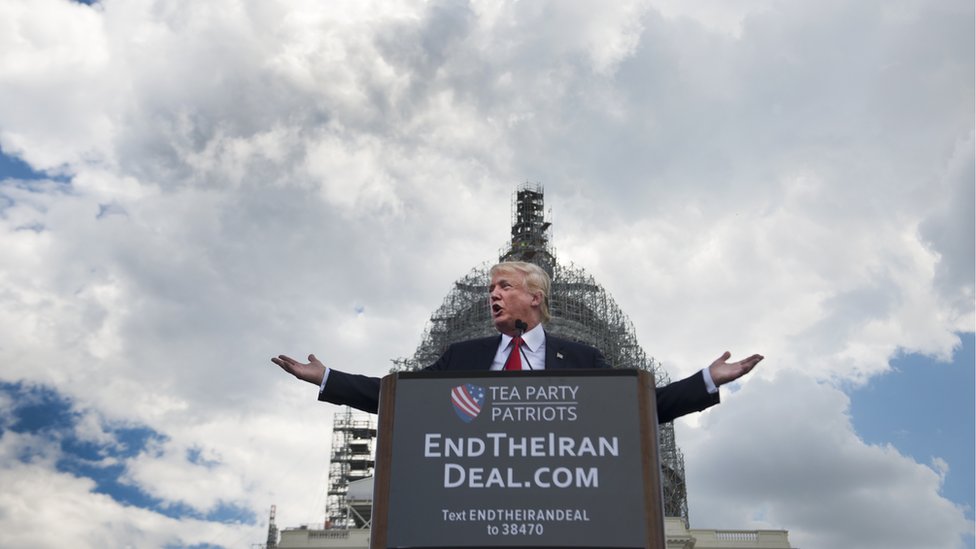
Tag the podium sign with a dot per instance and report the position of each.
(560, 458)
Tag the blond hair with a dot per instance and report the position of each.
(536, 281)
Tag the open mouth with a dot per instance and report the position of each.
(496, 309)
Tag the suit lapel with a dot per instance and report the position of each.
(554, 354)
(487, 352)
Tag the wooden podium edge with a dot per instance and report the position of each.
(650, 462)
(384, 453)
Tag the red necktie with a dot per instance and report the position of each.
(514, 361)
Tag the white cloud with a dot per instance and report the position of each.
(57, 89)
(45, 508)
(947, 231)
(255, 178)
(785, 451)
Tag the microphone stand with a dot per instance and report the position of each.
(522, 327)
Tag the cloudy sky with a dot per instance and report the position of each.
(189, 188)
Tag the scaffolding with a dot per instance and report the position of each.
(353, 435)
(272, 530)
(530, 229)
(581, 311)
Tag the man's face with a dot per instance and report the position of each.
(509, 300)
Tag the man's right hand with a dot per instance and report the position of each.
(313, 372)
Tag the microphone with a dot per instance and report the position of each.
(522, 327)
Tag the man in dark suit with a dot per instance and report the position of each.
(519, 299)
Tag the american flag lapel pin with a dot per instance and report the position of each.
(559, 355)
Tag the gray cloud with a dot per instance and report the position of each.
(787, 448)
(286, 178)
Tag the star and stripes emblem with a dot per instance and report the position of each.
(467, 400)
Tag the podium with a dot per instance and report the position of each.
(555, 458)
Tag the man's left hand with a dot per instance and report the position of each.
(723, 372)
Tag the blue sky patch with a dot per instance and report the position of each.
(195, 456)
(924, 408)
(44, 412)
(37, 409)
(12, 167)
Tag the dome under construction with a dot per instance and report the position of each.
(581, 311)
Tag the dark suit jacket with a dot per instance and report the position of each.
(673, 400)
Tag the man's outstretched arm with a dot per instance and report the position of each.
(360, 392)
(700, 391)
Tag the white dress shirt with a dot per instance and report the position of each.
(533, 350)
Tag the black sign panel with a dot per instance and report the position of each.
(544, 459)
